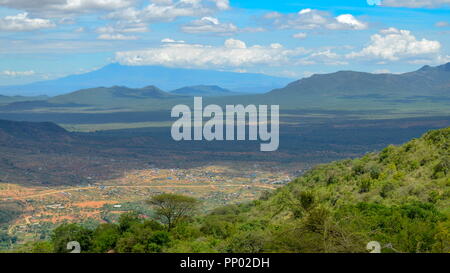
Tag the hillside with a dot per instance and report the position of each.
(138, 76)
(424, 92)
(399, 197)
(113, 96)
(204, 91)
(427, 81)
(45, 132)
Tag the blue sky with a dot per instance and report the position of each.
(48, 39)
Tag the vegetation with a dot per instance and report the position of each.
(399, 197)
(172, 209)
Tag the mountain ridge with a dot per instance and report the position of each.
(96, 95)
(137, 76)
(427, 81)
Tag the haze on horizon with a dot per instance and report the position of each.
(56, 38)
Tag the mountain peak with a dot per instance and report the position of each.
(444, 67)
(151, 87)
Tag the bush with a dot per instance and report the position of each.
(386, 189)
(365, 185)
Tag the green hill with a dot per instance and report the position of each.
(426, 91)
(399, 197)
(102, 95)
(427, 81)
(116, 97)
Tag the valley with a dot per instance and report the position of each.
(94, 154)
(42, 208)
(51, 176)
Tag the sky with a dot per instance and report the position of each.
(49, 39)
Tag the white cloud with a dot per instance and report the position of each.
(415, 3)
(348, 20)
(209, 25)
(10, 73)
(117, 36)
(305, 11)
(233, 54)
(315, 19)
(169, 40)
(123, 28)
(166, 11)
(21, 22)
(120, 30)
(393, 44)
(60, 8)
(300, 35)
(232, 43)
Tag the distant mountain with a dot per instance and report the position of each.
(425, 91)
(110, 95)
(204, 91)
(138, 76)
(13, 99)
(427, 81)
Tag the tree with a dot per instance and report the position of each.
(105, 238)
(171, 209)
(66, 233)
(127, 220)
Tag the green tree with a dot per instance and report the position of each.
(105, 238)
(171, 209)
(127, 220)
(66, 233)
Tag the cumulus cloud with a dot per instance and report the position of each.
(393, 44)
(168, 10)
(11, 73)
(348, 21)
(21, 22)
(209, 25)
(415, 3)
(232, 54)
(315, 19)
